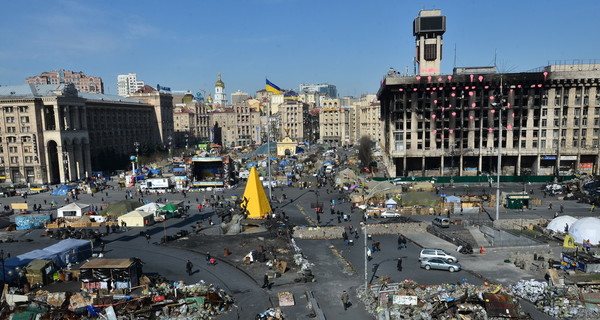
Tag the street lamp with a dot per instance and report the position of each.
(170, 141)
(66, 164)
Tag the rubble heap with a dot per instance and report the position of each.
(162, 300)
(408, 300)
(560, 302)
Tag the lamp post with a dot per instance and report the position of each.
(66, 165)
(499, 103)
(170, 141)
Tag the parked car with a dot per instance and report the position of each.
(440, 264)
(390, 214)
(427, 254)
(441, 222)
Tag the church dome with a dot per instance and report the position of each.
(290, 95)
(219, 82)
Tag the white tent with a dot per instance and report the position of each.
(558, 224)
(151, 207)
(137, 218)
(391, 204)
(586, 229)
(73, 210)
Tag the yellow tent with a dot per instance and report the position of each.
(258, 204)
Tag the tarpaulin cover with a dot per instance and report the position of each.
(154, 171)
(86, 275)
(62, 253)
(101, 274)
(62, 191)
(27, 222)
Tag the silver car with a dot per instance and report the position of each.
(440, 263)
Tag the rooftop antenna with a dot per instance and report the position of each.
(495, 57)
(454, 57)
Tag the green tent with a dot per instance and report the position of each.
(170, 208)
(120, 208)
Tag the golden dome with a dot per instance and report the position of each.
(219, 83)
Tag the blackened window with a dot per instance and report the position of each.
(430, 52)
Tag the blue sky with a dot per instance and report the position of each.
(348, 43)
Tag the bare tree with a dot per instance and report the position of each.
(365, 155)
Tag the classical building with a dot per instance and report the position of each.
(292, 117)
(128, 84)
(336, 123)
(240, 124)
(163, 105)
(53, 134)
(82, 82)
(185, 119)
(368, 123)
(545, 122)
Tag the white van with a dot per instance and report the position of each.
(436, 253)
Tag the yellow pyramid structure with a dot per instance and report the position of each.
(258, 205)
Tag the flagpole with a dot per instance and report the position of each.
(269, 144)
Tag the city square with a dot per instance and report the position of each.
(460, 189)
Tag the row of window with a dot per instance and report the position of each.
(13, 139)
(10, 119)
(22, 109)
(15, 159)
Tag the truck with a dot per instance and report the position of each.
(156, 184)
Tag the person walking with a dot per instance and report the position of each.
(345, 300)
(399, 264)
(147, 235)
(399, 242)
(562, 208)
(266, 283)
(188, 267)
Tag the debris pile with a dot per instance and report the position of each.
(561, 302)
(270, 314)
(408, 300)
(157, 300)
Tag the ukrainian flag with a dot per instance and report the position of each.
(272, 87)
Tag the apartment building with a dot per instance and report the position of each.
(82, 82)
(336, 123)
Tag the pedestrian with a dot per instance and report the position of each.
(208, 257)
(188, 267)
(562, 208)
(147, 235)
(102, 244)
(345, 300)
(266, 283)
(404, 242)
(550, 205)
(399, 264)
(345, 236)
(399, 242)
(107, 229)
(376, 246)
